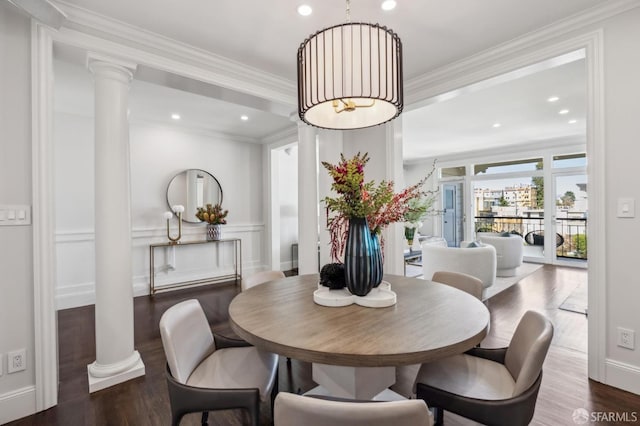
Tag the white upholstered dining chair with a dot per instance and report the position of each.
(465, 282)
(491, 386)
(260, 278)
(406, 374)
(207, 372)
(295, 410)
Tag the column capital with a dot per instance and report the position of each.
(97, 61)
(295, 118)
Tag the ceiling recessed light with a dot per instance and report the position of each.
(244, 117)
(496, 125)
(563, 111)
(553, 99)
(388, 5)
(573, 121)
(175, 116)
(305, 10)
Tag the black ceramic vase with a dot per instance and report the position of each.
(362, 258)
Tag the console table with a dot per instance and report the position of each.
(237, 264)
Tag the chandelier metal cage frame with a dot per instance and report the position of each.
(350, 76)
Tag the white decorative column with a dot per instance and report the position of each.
(329, 149)
(116, 360)
(394, 235)
(308, 200)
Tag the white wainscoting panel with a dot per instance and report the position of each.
(75, 256)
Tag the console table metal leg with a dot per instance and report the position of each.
(152, 272)
(240, 257)
(219, 264)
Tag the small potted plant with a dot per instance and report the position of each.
(215, 218)
(419, 207)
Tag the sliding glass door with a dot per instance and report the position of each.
(570, 218)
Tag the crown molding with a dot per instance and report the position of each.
(562, 143)
(223, 71)
(465, 71)
(43, 11)
(281, 135)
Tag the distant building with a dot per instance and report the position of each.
(521, 198)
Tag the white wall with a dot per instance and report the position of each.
(288, 191)
(413, 173)
(622, 127)
(16, 249)
(373, 141)
(157, 154)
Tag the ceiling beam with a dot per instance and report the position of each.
(175, 81)
(42, 11)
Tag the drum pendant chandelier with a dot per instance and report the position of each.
(350, 76)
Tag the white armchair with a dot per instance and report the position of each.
(479, 262)
(509, 251)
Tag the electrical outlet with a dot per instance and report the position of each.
(17, 361)
(626, 338)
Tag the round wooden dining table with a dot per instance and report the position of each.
(355, 349)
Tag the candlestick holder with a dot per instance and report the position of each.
(178, 209)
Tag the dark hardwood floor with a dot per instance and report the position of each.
(144, 401)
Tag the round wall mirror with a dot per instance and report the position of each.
(193, 188)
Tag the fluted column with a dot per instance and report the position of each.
(116, 360)
(307, 200)
(329, 149)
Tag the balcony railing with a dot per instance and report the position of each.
(571, 233)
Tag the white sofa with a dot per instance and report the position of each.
(479, 262)
(509, 251)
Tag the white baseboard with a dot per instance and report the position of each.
(17, 404)
(623, 376)
(287, 266)
(76, 295)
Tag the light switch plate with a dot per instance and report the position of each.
(626, 207)
(15, 214)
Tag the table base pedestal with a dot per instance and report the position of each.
(362, 383)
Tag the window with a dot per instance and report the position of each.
(509, 166)
(572, 160)
(447, 172)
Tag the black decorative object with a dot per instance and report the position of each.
(362, 258)
(332, 276)
(350, 76)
